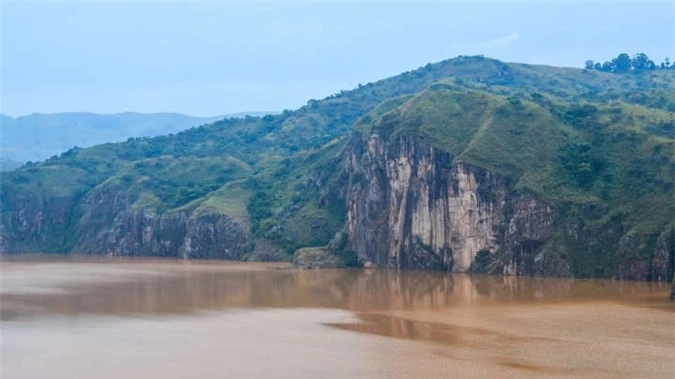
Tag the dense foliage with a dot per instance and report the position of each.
(624, 63)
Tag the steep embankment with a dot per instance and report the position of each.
(462, 180)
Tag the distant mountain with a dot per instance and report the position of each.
(8, 164)
(39, 136)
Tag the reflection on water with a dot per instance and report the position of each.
(392, 326)
(215, 319)
(169, 287)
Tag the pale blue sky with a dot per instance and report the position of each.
(214, 57)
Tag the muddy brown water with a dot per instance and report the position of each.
(83, 317)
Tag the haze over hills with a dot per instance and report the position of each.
(8, 164)
(39, 136)
(470, 164)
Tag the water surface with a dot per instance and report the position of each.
(111, 318)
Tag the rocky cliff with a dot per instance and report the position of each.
(35, 224)
(410, 205)
(107, 224)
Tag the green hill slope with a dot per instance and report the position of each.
(605, 165)
(595, 147)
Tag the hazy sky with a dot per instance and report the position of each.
(213, 57)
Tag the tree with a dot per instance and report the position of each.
(641, 62)
(608, 67)
(622, 63)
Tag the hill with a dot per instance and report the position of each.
(587, 186)
(466, 164)
(39, 136)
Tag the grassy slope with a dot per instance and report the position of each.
(609, 163)
(480, 103)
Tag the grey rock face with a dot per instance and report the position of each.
(110, 226)
(264, 251)
(315, 257)
(34, 224)
(529, 226)
(663, 256)
(412, 206)
(214, 235)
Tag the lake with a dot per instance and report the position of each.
(91, 317)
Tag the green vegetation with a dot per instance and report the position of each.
(230, 199)
(624, 63)
(597, 145)
(164, 183)
(609, 163)
(259, 208)
(482, 262)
